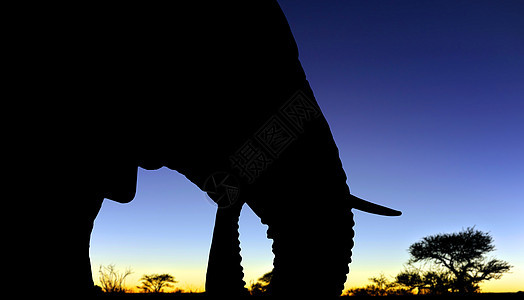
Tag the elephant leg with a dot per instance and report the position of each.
(224, 270)
(91, 212)
(74, 247)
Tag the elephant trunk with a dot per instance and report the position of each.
(312, 260)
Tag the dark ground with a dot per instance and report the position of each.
(519, 295)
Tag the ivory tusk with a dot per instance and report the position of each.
(373, 208)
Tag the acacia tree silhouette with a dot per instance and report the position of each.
(458, 260)
(154, 283)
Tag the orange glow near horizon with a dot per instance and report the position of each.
(192, 280)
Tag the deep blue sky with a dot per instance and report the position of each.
(425, 100)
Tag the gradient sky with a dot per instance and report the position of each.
(425, 100)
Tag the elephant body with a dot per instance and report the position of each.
(203, 89)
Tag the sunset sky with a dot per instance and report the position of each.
(425, 100)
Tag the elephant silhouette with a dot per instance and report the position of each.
(215, 91)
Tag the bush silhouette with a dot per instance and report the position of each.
(111, 280)
(261, 287)
(381, 287)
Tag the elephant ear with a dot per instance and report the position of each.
(373, 208)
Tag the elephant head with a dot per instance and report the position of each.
(216, 92)
(290, 175)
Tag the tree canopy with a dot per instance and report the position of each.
(154, 283)
(457, 262)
